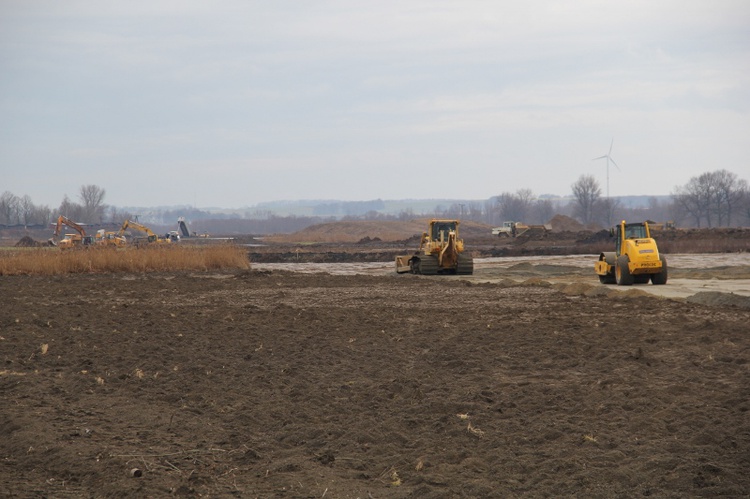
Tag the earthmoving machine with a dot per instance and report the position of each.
(440, 252)
(70, 240)
(109, 239)
(185, 232)
(508, 229)
(151, 237)
(183, 227)
(515, 229)
(636, 258)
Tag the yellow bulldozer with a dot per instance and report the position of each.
(636, 258)
(440, 252)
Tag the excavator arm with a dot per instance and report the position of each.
(62, 220)
(152, 237)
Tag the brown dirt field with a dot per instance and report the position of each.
(279, 384)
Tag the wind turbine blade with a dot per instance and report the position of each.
(613, 162)
(600, 157)
(610, 146)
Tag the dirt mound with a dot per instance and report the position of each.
(27, 242)
(714, 298)
(367, 231)
(562, 223)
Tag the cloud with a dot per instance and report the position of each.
(328, 93)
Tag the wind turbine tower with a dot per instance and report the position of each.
(608, 157)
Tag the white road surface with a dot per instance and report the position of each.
(724, 273)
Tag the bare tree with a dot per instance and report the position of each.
(729, 190)
(115, 215)
(71, 210)
(22, 210)
(9, 208)
(26, 210)
(542, 211)
(515, 207)
(605, 209)
(711, 197)
(92, 198)
(587, 192)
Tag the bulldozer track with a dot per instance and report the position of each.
(427, 265)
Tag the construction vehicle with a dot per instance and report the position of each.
(636, 258)
(70, 240)
(183, 227)
(109, 239)
(508, 229)
(440, 252)
(515, 229)
(151, 237)
(185, 232)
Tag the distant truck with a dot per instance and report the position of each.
(515, 229)
(508, 229)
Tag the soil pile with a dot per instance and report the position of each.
(27, 242)
(368, 231)
(563, 223)
(723, 299)
(277, 384)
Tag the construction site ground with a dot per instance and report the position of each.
(310, 380)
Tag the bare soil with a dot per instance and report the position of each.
(269, 383)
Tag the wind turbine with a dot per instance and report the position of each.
(608, 158)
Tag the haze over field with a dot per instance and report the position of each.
(230, 103)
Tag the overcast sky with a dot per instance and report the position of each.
(228, 103)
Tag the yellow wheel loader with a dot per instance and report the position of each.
(151, 237)
(636, 258)
(440, 252)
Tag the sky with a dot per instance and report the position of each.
(233, 103)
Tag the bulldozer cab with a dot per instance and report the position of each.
(440, 230)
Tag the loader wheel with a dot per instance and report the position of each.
(661, 277)
(622, 272)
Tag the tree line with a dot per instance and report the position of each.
(91, 209)
(712, 199)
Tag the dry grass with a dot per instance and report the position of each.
(157, 259)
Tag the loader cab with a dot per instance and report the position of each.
(632, 231)
(635, 231)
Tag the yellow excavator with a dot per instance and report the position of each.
(151, 237)
(440, 252)
(636, 258)
(70, 240)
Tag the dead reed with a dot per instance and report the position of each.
(150, 259)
